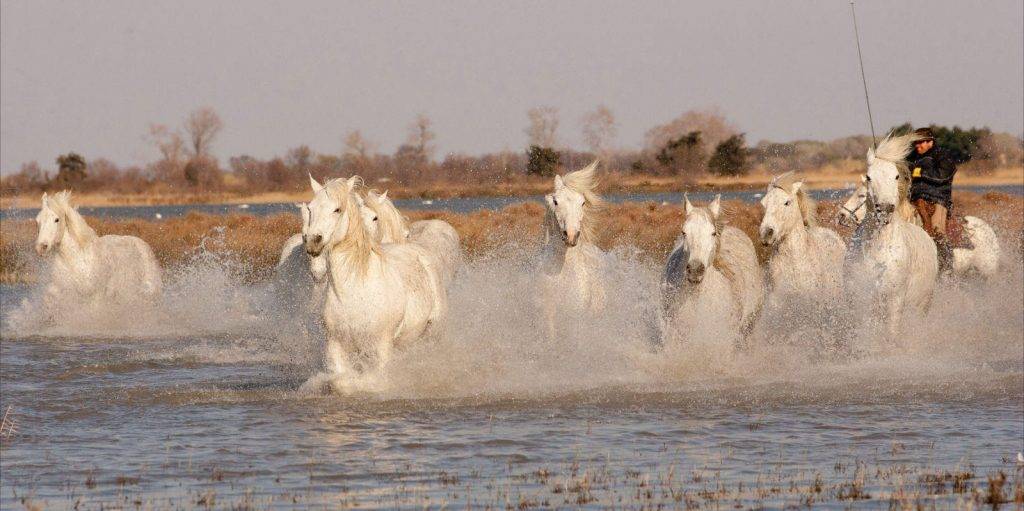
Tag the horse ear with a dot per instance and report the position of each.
(797, 186)
(559, 184)
(871, 156)
(686, 204)
(384, 196)
(316, 186)
(352, 182)
(864, 178)
(716, 206)
(45, 200)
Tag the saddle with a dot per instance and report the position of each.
(955, 233)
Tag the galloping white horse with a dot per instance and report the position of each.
(98, 269)
(574, 266)
(983, 259)
(380, 296)
(437, 236)
(899, 257)
(721, 274)
(806, 260)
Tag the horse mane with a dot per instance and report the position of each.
(894, 149)
(60, 203)
(585, 182)
(357, 241)
(808, 206)
(389, 218)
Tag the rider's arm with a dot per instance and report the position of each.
(944, 171)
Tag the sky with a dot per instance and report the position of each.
(92, 76)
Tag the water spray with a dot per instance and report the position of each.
(863, 77)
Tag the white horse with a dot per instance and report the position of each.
(380, 296)
(574, 267)
(982, 259)
(899, 257)
(721, 276)
(437, 236)
(806, 260)
(89, 268)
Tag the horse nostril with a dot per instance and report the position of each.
(768, 232)
(318, 238)
(565, 233)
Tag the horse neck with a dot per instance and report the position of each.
(797, 242)
(72, 249)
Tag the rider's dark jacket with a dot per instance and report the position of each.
(932, 176)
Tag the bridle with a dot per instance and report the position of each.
(853, 212)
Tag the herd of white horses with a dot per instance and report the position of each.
(377, 283)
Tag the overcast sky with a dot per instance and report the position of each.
(92, 76)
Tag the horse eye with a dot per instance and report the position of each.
(714, 233)
(867, 178)
(897, 177)
(788, 202)
(555, 201)
(55, 220)
(337, 210)
(374, 219)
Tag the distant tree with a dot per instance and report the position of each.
(711, 124)
(300, 159)
(543, 127)
(70, 168)
(542, 161)
(730, 157)
(203, 172)
(202, 127)
(686, 154)
(599, 130)
(357, 145)
(421, 136)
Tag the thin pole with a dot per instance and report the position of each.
(863, 78)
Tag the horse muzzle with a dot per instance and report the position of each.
(44, 249)
(884, 212)
(695, 273)
(768, 236)
(570, 241)
(314, 244)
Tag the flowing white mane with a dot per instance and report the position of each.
(357, 241)
(893, 148)
(60, 203)
(585, 182)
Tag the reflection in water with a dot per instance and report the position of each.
(203, 390)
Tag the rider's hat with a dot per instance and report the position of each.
(923, 134)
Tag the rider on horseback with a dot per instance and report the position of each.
(931, 190)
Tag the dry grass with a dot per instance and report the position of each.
(648, 227)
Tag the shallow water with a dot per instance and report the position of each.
(198, 405)
(455, 205)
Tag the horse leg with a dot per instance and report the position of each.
(895, 319)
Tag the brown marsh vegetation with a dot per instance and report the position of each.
(255, 241)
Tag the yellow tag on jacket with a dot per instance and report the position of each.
(917, 171)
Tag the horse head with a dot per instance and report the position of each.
(52, 226)
(573, 197)
(853, 211)
(330, 213)
(888, 179)
(782, 212)
(701, 237)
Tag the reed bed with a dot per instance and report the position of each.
(647, 228)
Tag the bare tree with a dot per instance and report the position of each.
(543, 126)
(357, 146)
(599, 130)
(420, 135)
(169, 143)
(202, 127)
(711, 124)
